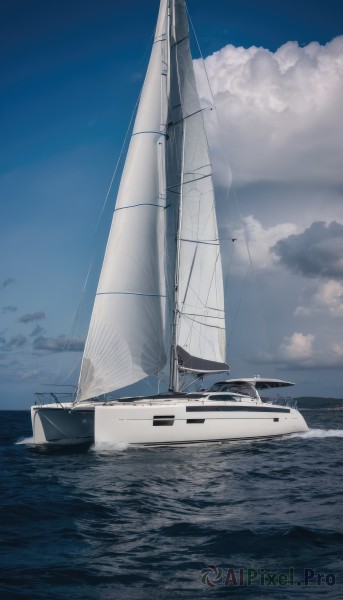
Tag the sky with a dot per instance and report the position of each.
(71, 73)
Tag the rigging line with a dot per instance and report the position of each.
(238, 307)
(221, 129)
(187, 314)
(190, 273)
(140, 204)
(196, 112)
(207, 324)
(207, 243)
(264, 321)
(220, 134)
(229, 267)
(179, 42)
(78, 308)
(72, 325)
(203, 167)
(185, 182)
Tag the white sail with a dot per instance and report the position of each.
(125, 342)
(200, 335)
(160, 292)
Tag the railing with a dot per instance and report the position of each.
(50, 397)
(282, 401)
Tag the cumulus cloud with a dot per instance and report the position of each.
(325, 298)
(28, 318)
(9, 309)
(29, 374)
(301, 351)
(17, 341)
(317, 252)
(36, 331)
(280, 111)
(6, 283)
(59, 344)
(297, 346)
(261, 240)
(338, 349)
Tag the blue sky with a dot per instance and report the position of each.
(71, 74)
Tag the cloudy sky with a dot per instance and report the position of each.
(70, 78)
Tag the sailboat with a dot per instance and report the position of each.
(159, 305)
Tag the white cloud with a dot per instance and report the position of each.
(59, 344)
(298, 346)
(29, 318)
(261, 240)
(326, 299)
(280, 112)
(338, 349)
(306, 351)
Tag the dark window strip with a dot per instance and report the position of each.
(163, 423)
(259, 409)
(164, 417)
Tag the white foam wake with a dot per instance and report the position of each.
(109, 448)
(319, 433)
(25, 440)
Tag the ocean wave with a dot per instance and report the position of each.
(318, 433)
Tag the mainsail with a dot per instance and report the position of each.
(160, 300)
(200, 323)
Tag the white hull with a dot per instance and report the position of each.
(150, 422)
(183, 422)
(57, 424)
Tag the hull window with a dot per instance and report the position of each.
(163, 421)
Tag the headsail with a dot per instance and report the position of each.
(125, 342)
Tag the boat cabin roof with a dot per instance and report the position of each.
(260, 383)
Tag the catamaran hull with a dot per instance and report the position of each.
(59, 425)
(149, 425)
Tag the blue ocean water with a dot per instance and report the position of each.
(235, 519)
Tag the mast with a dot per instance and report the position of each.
(174, 371)
(174, 360)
